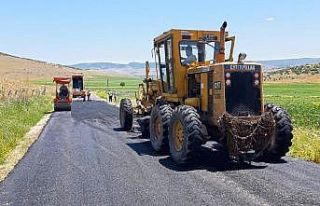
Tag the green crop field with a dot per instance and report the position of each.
(101, 85)
(301, 100)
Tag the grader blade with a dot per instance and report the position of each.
(247, 137)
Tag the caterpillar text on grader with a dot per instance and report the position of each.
(201, 95)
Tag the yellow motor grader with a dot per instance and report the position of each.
(200, 94)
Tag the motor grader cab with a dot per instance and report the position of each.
(204, 95)
(62, 100)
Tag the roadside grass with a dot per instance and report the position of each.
(302, 101)
(306, 144)
(16, 119)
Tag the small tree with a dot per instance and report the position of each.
(122, 84)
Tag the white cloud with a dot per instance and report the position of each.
(271, 18)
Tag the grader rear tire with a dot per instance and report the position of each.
(126, 114)
(159, 127)
(283, 134)
(185, 134)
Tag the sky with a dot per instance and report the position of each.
(122, 31)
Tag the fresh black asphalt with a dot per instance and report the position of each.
(83, 158)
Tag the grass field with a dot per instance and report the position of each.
(17, 117)
(301, 100)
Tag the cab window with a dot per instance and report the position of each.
(194, 51)
(188, 52)
(164, 61)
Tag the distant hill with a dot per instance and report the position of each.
(137, 68)
(132, 68)
(283, 63)
(308, 73)
(13, 68)
(109, 65)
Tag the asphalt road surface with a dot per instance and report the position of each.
(82, 158)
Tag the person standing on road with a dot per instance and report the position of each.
(88, 94)
(115, 97)
(110, 96)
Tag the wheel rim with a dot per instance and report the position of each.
(157, 128)
(178, 135)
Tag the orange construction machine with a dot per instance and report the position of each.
(78, 87)
(62, 101)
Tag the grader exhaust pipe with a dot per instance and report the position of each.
(221, 54)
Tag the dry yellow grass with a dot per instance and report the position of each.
(302, 78)
(18, 69)
(17, 74)
(306, 144)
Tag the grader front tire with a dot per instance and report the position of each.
(159, 127)
(283, 134)
(185, 134)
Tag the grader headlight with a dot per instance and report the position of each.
(228, 82)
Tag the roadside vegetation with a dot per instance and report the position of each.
(18, 113)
